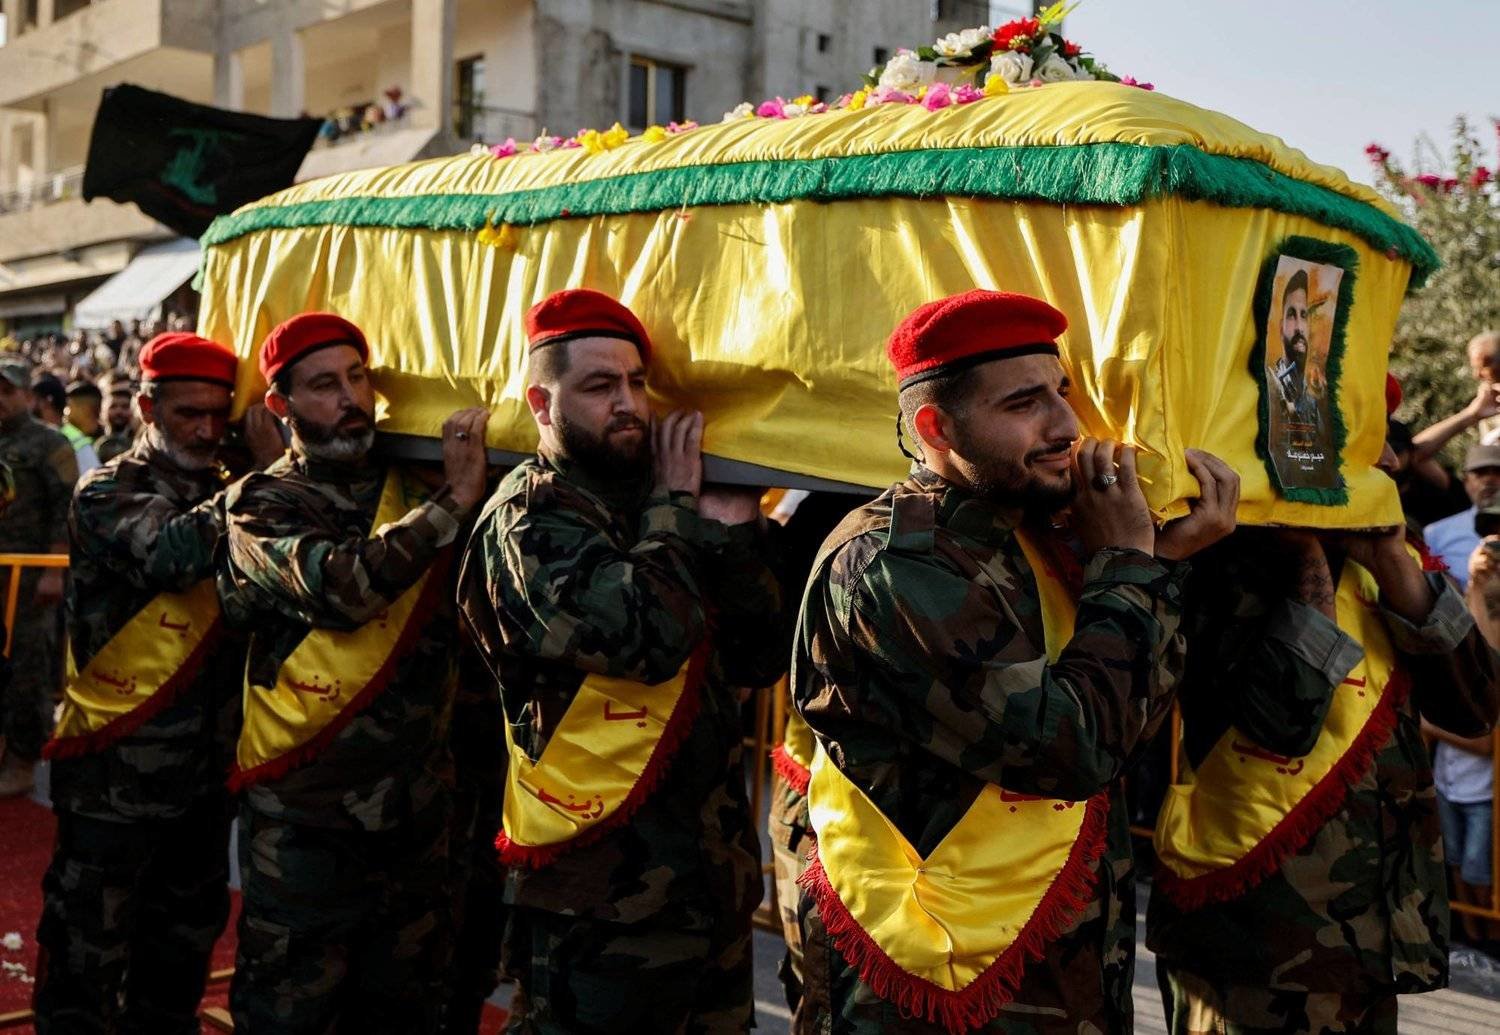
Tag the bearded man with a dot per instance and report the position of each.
(137, 892)
(619, 605)
(119, 418)
(977, 690)
(1290, 372)
(337, 565)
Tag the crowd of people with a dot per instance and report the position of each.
(478, 723)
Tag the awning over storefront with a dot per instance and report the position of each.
(137, 291)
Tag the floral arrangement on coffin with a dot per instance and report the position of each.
(1023, 52)
(961, 68)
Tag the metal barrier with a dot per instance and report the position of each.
(16, 562)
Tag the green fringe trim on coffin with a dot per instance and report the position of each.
(1081, 174)
(1326, 253)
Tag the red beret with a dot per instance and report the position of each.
(292, 339)
(179, 356)
(972, 328)
(1393, 394)
(581, 313)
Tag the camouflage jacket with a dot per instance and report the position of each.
(1362, 908)
(920, 663)
(37, 472)
(566, 576)
(302, 556)
(139, 527)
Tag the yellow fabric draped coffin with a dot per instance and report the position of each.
(1245, 809)
(331, 674)
(771, 259)
(946, 937)
(138, 672)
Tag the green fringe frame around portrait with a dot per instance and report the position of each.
(1308, 249)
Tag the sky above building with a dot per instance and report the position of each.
(1327, 76)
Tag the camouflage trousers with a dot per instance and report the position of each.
(791, 839)
(28, 695)
(478, 904)
(342, 930)
(130, 914)
(1196, 1006)
(580, 976)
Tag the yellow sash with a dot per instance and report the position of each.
(331, 675)
(947, 937)
(792, 758)
(606, 756)
(138, 672)
(1246, 809)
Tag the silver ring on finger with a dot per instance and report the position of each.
(1104, 481)
(462, 436)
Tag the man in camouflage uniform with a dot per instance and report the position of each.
(37, 472)
(603, 556)
(343, 856)
(137, 890)
(920, 658)
(119, 421)
(1358, 913)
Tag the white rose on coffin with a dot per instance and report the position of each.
(1055, 70)
(907, 72)
(1013, 67)
(961, 44)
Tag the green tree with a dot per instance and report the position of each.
(1452, 199)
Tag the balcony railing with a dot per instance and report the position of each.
(58, 186)
(483, 124)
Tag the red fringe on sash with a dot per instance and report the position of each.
(276, 768)
(982, 999)
(679, 725)
(796, 775)
(124, 725)
(1305, 819)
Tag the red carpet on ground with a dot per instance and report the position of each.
(26, 833)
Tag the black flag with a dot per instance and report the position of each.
(185, 163)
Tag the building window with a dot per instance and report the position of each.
(822, 94)
(468, 96)
(657, 93)
(824, 42)
(881, 55)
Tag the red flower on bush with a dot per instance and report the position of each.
(1071, 49)
(1480, 176)
(1017, 35)
(1378, 154)
(1430, 180)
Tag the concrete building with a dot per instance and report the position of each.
(465, 69)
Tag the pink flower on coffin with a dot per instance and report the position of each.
(674, 128)
(771, 109)
(1130, 80)
(888, 95)
(967, 93)
(938, 96)
(818, 109)
(569, 144)
(504, 150)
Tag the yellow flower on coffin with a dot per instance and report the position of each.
(654, 134)
(805, 101)
(596, 143)
(858, 98)
(502, 236)
(994, 85)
